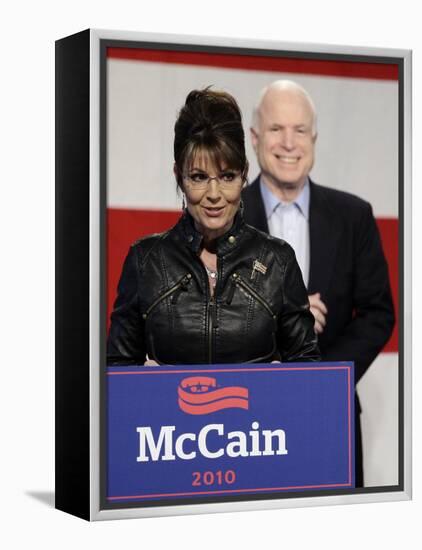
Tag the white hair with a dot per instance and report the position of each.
(283, 85)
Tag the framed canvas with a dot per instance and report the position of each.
(120, 452)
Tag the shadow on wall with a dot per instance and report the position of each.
(45, 497)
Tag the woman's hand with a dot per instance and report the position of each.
(150, 363)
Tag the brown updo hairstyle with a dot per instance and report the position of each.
(210, 122)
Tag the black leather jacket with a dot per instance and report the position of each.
(259, 311)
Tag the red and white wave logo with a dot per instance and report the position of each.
(200, 395)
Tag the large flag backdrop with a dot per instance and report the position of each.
(357, 151)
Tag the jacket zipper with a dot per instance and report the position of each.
(211, 307)
(212, 314)
(181, 284)
(238, 281)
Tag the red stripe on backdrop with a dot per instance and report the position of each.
(351, 69)
(126, 226)
(389, 231)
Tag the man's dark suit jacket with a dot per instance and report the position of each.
(348, 268)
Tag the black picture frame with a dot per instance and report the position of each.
(81, 250)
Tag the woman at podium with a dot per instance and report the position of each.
(211, 289)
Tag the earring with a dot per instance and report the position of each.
(183, 203)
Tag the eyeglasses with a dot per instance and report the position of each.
(200, 180)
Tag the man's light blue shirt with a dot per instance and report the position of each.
(290, 221)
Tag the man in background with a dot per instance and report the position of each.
(333, 233)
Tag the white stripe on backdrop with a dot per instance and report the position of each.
(357, 141)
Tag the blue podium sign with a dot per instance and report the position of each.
(209, 430)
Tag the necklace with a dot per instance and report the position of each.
(212, 274)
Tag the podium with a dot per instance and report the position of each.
(192, 433)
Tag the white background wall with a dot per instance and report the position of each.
(27, 275)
